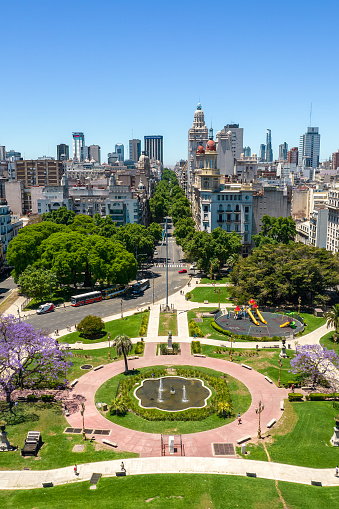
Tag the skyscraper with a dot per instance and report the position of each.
(269, 151)
(153, 146)
(120, 151)
(134, 150)
(283, 148)
(262, 152)
(78, 144)
(2, 153)
(309, 148)
(247, 151)
(94, 153)
(229, 147)
(62, 152)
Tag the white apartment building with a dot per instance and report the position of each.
(332, 240)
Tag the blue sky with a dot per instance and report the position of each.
(107, 68)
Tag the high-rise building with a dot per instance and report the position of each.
(134, 150)
(283, 149)
(229, 147)
(62, 152)
(78, 145)
(335, 160)
(262, 152)
(2, 153)
(292, 156)
(197, 135)
(309, 148)
(153, 146)
(120, 151)
(94, 153)
(247, 151)
(269, 151)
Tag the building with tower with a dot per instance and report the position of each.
(134, 150)
(78, 145)
(153, 147)
(197, 136)
(309, 148)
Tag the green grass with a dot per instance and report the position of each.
(130, 325)
(173, 491)
(312, 322)
(327, 341)
(168, 322)
(241, 400)
(308, 443)
(202, 294)
(57, 446)
(266, 362)
(217, 281)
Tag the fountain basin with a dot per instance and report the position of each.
(188, 393)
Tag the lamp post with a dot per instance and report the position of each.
(258, 411)
(219, 297)
(299, 303)
(280, 365)
(18, 310)
(82, 411)
(231, 354)
(109, 345)
(153, 287)
(122, 316)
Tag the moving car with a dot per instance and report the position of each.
(182, 271)
(45, 308)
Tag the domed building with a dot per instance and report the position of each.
(197, 137)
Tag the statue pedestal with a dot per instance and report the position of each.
(335, 437)
(283, 353)
(4, 443)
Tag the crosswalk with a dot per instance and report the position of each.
(172, 265)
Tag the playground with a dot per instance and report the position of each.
(250, 321)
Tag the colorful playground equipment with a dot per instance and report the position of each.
(290, 324)
(253, 308)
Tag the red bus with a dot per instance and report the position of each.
(86, 298)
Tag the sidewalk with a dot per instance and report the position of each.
(15, 480)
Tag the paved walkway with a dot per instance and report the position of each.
(14, 480)
(196, 444)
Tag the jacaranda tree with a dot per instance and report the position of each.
(29, 358)
(315, 362)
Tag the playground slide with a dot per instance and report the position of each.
(251, 315)
(285, 324)
(261, 317)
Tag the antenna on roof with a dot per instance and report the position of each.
(311, 116)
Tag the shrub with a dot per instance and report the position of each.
(290, 383)
(195, 347)
(144, 324)
(295, 396)
(32, 397)
(139, 348)
(188, 295)
(47, 397)
(194, 329)
(90, 326)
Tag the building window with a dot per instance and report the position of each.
(247, 209)
(246, 227)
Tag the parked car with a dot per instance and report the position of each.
(45, 308)
(182, 271)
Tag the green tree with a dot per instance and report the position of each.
(37, 283)
(159, 207)
(180, 208)
(184, 231)
(332, 317)
(275, 230)
(90, 326)
(124, 346)
(60, 216)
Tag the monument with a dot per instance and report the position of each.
(4, 443)
(169, 343)
(335, 437)
(283, 353)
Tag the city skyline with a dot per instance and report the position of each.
(110, 108)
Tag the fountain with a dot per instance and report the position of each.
(172, 393)
(160, 390)
(184, 397)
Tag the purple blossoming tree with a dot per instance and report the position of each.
(314, 361)
(28, 357)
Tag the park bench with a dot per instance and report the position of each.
(108, 442)
(316, 483)
(199, 355)
(32, 445)
(245, 366)
(98, 367)
(251, 474)
(47, 485)
(244, 439)
(133, 357)
(270, 424)
(268, 379)
(282, 405)
(72, 384)
(307, 388)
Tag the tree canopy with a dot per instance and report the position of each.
(281, 273)
(275, 230)
(315, 362)
(37, 283)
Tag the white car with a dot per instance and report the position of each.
(155, 252)
(45, 308)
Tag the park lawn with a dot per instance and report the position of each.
(217, 281)
(93, 357)
(129, 325)
(266, 361)
(56, 451)
(241, 400)
(327, 341)
(168, 322)
(173, 491)
(204, 293)
(312, 322)
(307, 430)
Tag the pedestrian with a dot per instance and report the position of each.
(55, 332)
(336, 471)
(123, 469)
(292, 387)
(75, 326)
(239, 419)
(75, 469)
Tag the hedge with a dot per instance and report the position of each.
(195, 347)
(194, 329)
(139, 348)
(295, 396)
(195, 414)
(321, 396)
(144, 324)
(243, 337)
